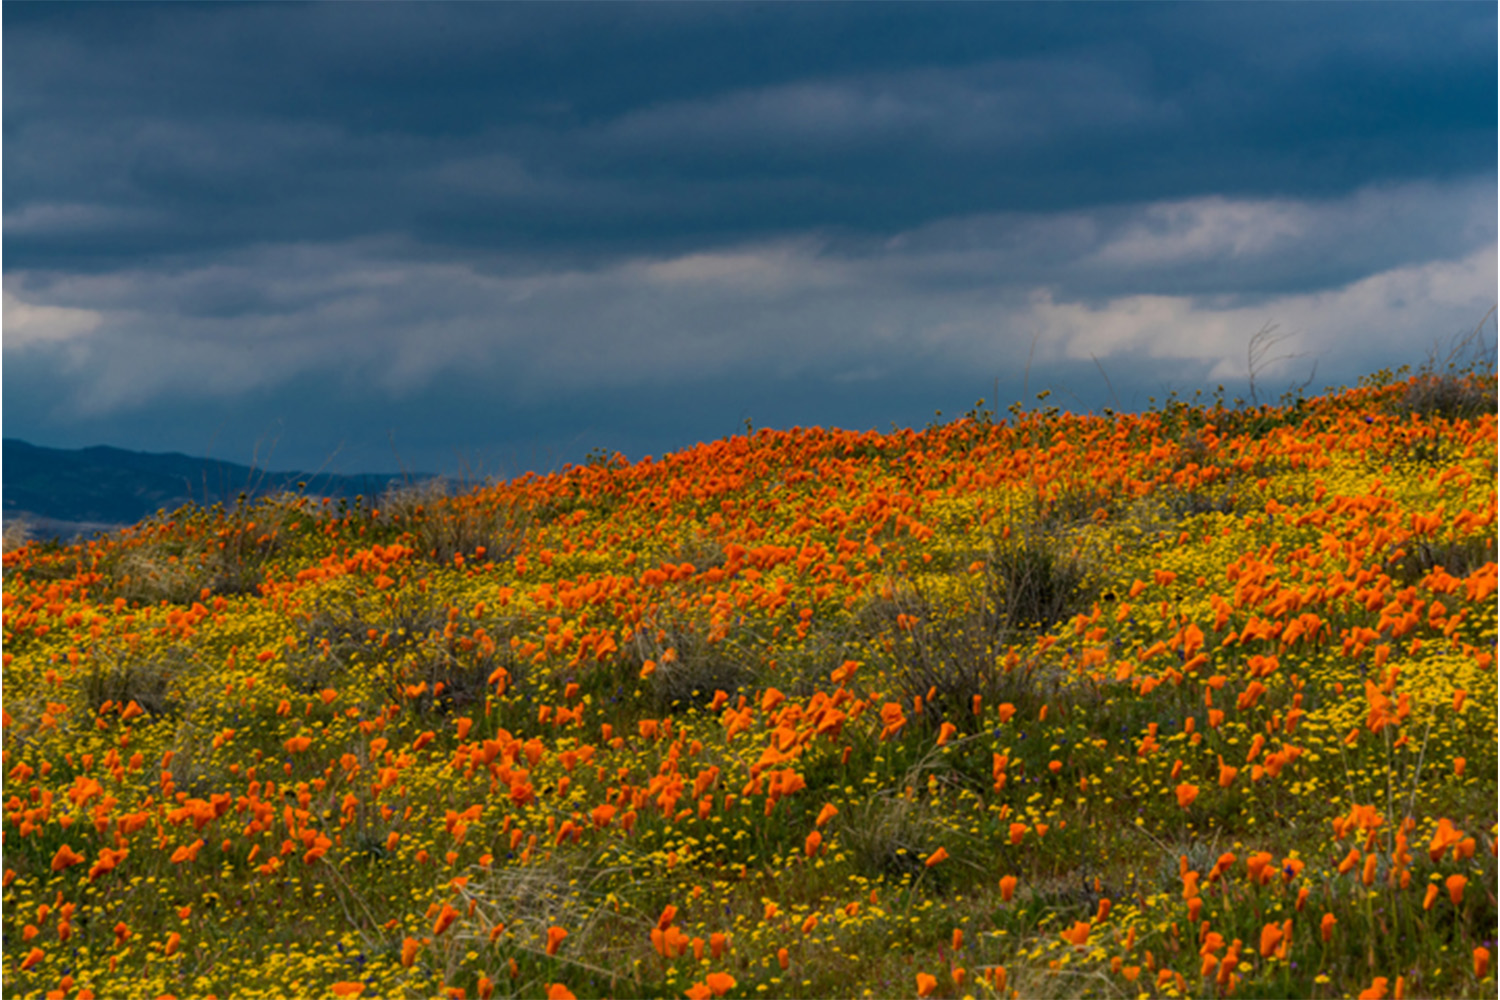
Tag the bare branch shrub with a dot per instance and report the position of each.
(479, 524)
(1457, 381)
(692, 662)
(17, 533)
(179, 558)
(947, 649)
(121, 675)
(402, 637)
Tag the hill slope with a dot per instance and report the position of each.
(1186, 703)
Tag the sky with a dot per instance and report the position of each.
(480, 239)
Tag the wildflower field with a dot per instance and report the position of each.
(1195, 702)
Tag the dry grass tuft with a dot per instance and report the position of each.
(17, 533)
(475, 525)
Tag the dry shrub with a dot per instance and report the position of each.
(16, 534)
(345, 631)
(247, 540)
(1031, 583)
(573, 894)
(479, 524)
(691, 664)
(1073, 506)
(149, 575)
(400, 637)
(178, 559)
(146, 684)
(891, 835)
(122, 675)
(1457, 381)
(947, 650)
(1451, 396)
(703, 553)
(887, 838)
(1457, 557)
(942, 655)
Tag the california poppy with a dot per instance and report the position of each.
(1078, 934)
(66, 857)
(810, 847)
(1270, 936)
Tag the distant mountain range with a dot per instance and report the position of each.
(61, 493)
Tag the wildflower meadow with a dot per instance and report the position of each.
(1198, 702)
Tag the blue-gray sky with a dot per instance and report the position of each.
(485, 238)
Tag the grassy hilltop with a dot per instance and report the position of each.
(1196, 702)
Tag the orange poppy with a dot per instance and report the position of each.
(810, 847)
(1444, 837)
(1270, 936)
(1078, 934)
(66, 857)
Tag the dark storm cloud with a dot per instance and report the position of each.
(185, 128)
(610, 224)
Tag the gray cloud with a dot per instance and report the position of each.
(999, 108)
(1187, 280)
(619, 131)
(571, 208)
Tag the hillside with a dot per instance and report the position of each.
(1195, 702)
(66, 492)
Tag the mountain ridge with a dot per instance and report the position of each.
(64, 493)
